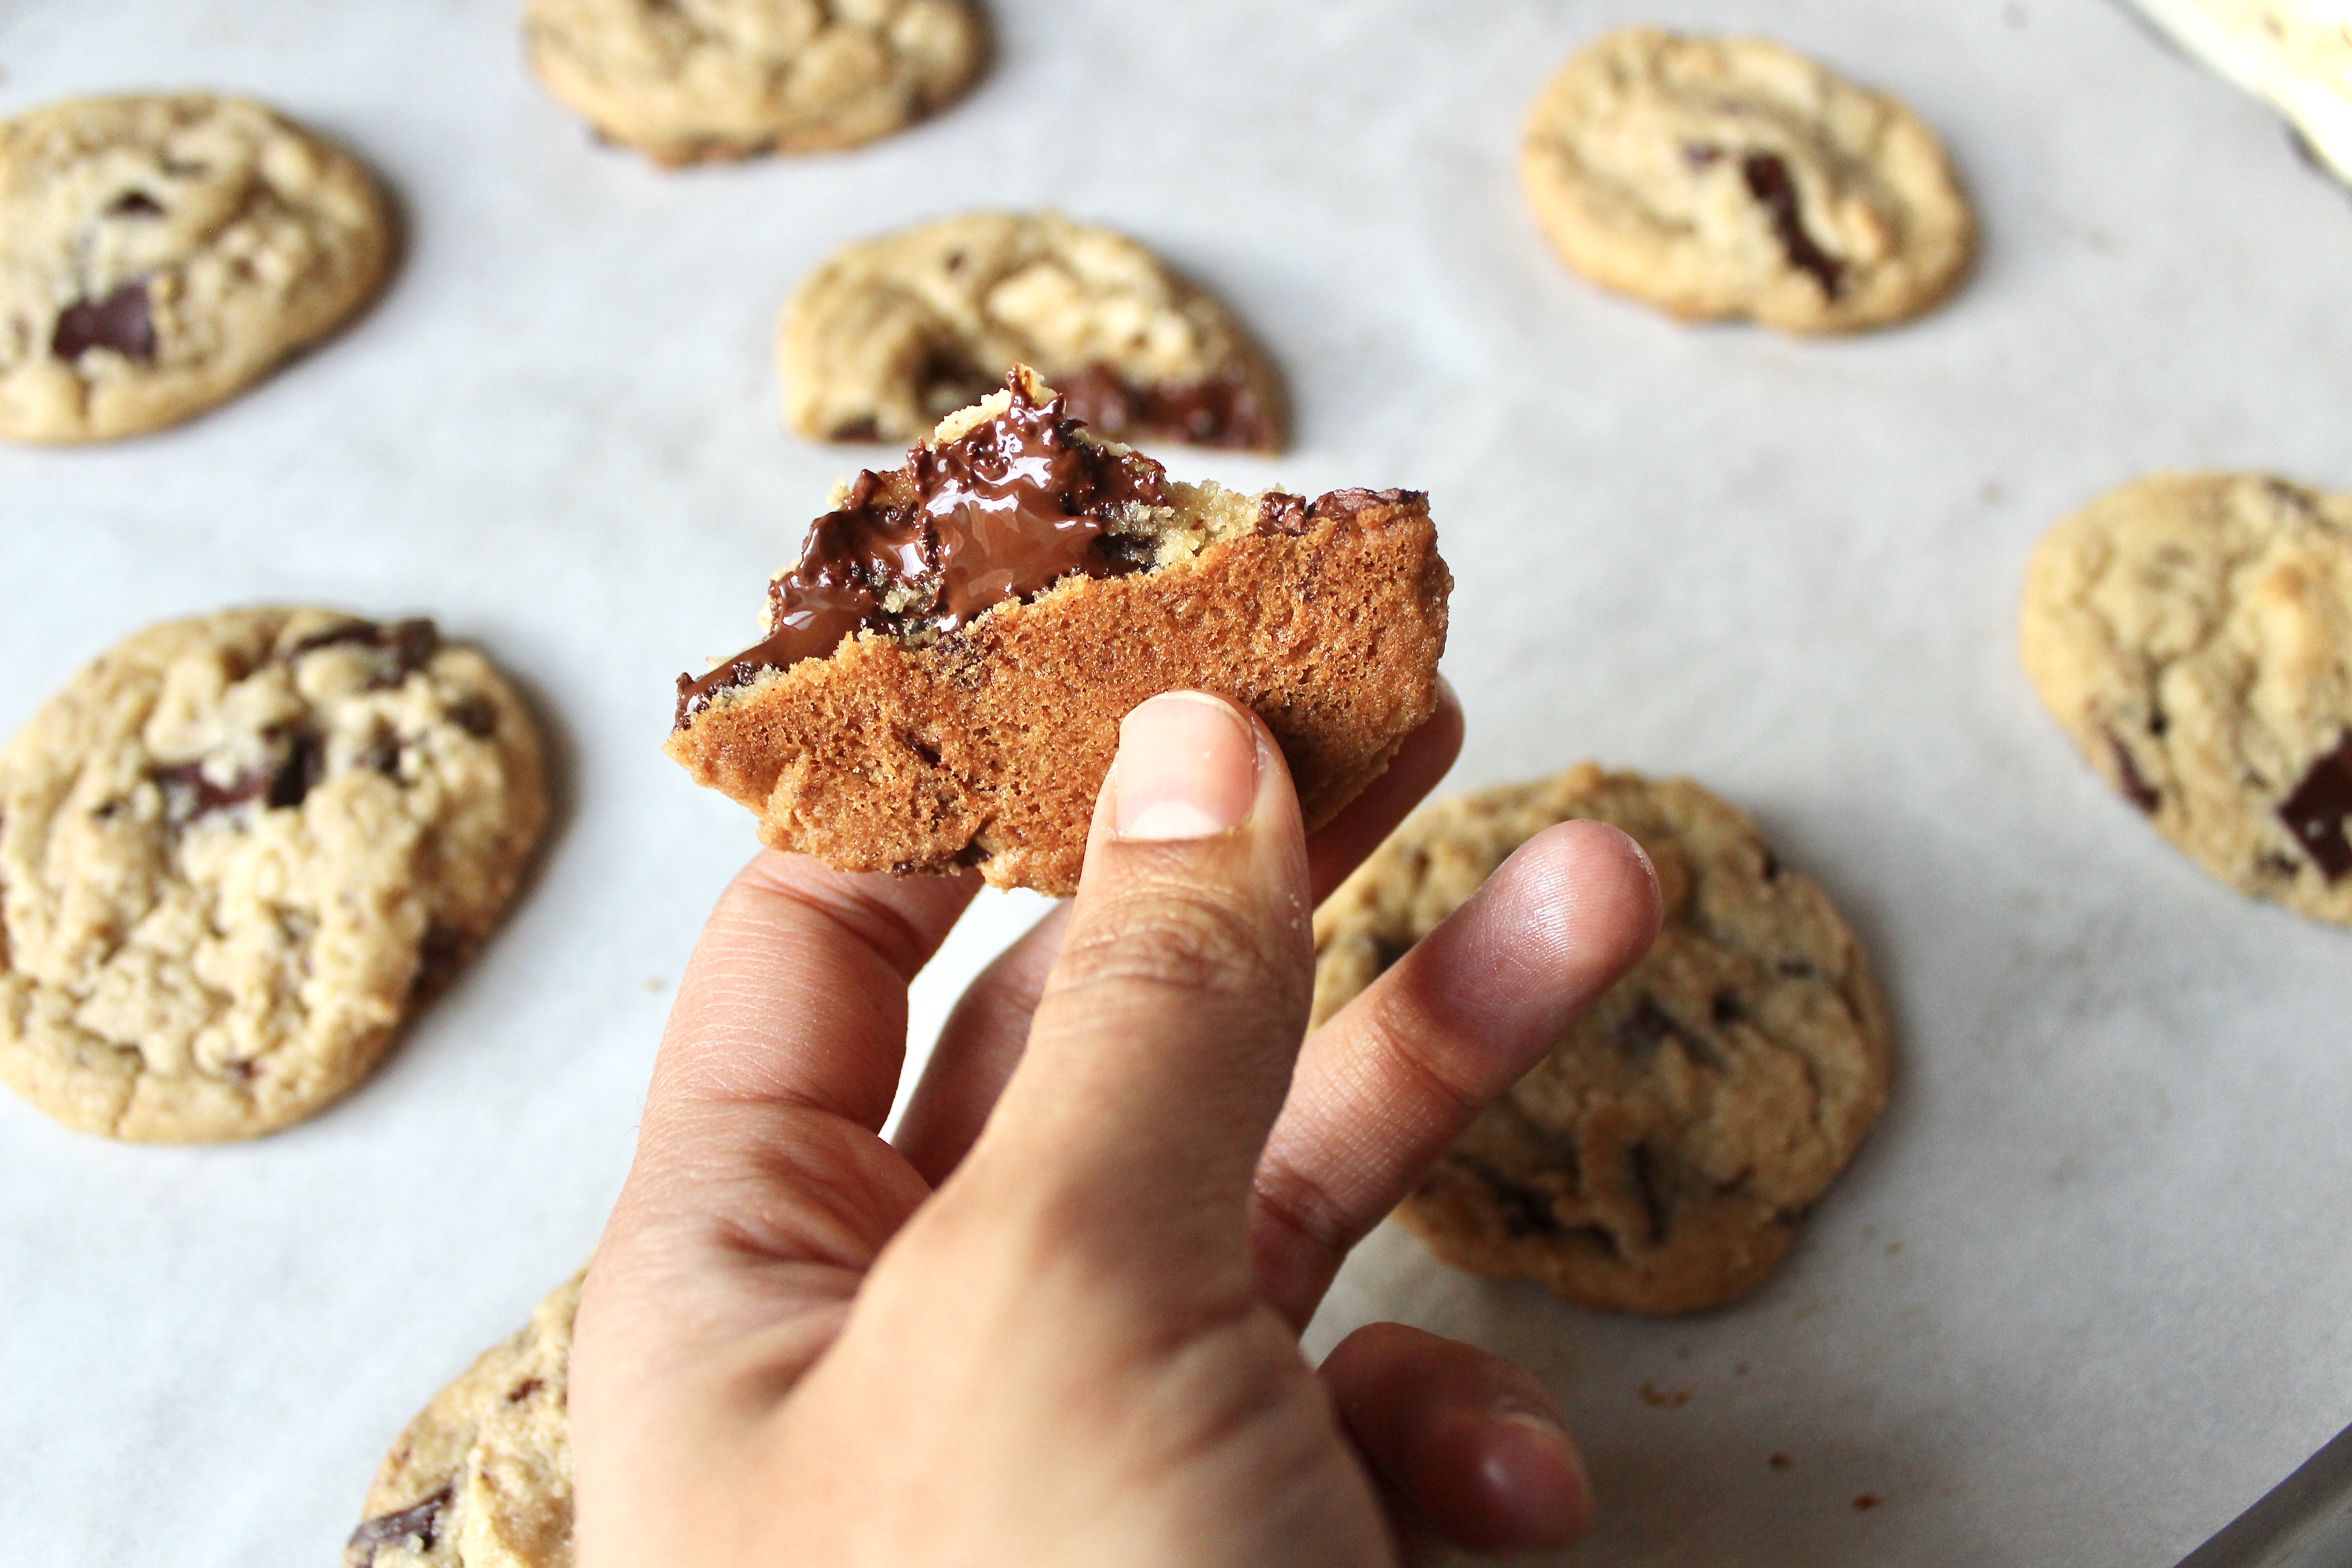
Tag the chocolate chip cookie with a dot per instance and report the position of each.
(1716, 177)
(947, 664)
(233, 853)
(482, 1477)
(160, 254)
(1660, 1158)
(689, 81)
(892, 335)
(2194, 633)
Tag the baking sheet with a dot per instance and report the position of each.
(2080, 1298)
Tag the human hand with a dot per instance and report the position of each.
(1056, 1318)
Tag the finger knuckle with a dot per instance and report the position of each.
(1176, 938)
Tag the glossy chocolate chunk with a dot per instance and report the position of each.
(1769, 182)
(420, 1523)
(1003, 512)
(121, 322)
(2315, 811)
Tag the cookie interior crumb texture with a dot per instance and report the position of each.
(2193, 634)
(890, 335)
(159, 254)
(1660, 1158)
(234, 851)
(482, 1477)
(948, 662)
(689, 81)
(1732, 177)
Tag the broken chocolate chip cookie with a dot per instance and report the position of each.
(1660, 1156)
(160, 254)
(1731, 177)
(946, 665)
(236, 851)
(2194, 633)
(892, 335)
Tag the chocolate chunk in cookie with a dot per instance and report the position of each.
(1660, 1158)
(1719, 177)
(2194, 633)
(482, 1477)
(946, 664)
(159, 254)
(892, 335)
(230, 852)
(690, 81)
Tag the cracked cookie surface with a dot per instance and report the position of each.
(893, 334)
(2193, 634)
(482, 1477)
(1732, 177)
(235, 850)
(689, 81)
(1660, 1156)
(160, 254)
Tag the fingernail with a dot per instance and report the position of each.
(1187, 768)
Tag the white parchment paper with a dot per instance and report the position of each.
(2081, 1298)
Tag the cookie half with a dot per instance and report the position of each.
(482, 1477)
(1660, 1158)
(948, 663)
(689, 81)
(1731, 177)
(160, 254)
(893, 334)
(2194, 633)
(234, 851)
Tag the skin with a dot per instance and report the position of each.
(1055, 1320)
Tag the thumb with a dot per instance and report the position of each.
(1164, 1041)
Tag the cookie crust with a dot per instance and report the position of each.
(482, 1477)
(892, 335)
(2193, 634)
(1732, 177)
(159, 254)
(691, 81)
(234, 851)
(1659, 1159)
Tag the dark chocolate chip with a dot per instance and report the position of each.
(2135, 788)
(1726, 1009)
(1769, 182)
(973, 854)
(1348, 502)
(2315, 811)
(1648, 1024)
(1219, 412)
(134, 203)
(1525, 1210)
(121, 322)
(420, 1523)
(438, 955)
(1654, 1205)
(303, 765)
(524, 1390)
(1772, 867)
(474, 714)
(1282, 514)
(383, 754)
(1385, 953)
(862, 429)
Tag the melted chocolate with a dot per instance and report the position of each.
(1001, 512)
(1769, 182)
(1348, 502)
(423, 1522)
(1223, 412)
(1280, 513)
(2315, 811)
(121, 322)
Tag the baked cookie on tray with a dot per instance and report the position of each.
(892, 335)
(158, 254)
(947, 664)
(236, 851)
(689, 81)
(482, 1477)
(1660, 1158)
(2194, 633)
(1716, 177)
